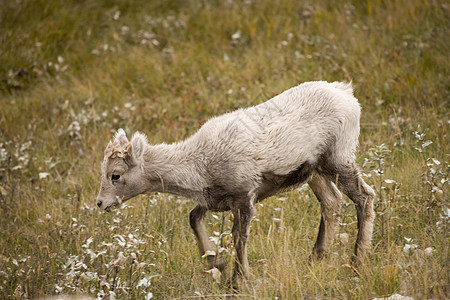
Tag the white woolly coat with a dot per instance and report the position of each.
(235, 151)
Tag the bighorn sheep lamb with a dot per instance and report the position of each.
(308, 133)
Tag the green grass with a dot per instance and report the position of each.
(72, 72)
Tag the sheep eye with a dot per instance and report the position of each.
(115, 177)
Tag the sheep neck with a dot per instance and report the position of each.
(175, 169)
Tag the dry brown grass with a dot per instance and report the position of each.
(72, 72)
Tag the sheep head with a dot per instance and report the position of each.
(122, 176)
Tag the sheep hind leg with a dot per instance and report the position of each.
(243, 214)
(330, 201)
(350, 182)
(196, 218)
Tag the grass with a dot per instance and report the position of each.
(72, 72)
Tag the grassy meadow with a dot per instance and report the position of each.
(73, 72)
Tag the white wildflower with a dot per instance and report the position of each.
(116, 15)
(409, 248)
(120, 259)
(215, 273)
(395, 297)
(209, 253)
(236, 35)
(343, 237)
(88, 242)
(43, 175)
(276, 220)
(214, 239)
(429, 251)
(145, 282)
(437, 162)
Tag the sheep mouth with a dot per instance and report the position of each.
(109, 207)
(112, 206)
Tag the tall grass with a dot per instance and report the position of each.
(72, 72)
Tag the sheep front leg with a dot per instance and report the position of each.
(204, 244)
(243, 215)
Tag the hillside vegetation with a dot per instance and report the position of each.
(72, 72)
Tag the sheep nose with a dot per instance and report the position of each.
(99, 203)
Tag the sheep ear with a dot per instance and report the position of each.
(138, 144)
(108, 148)
(120, 137)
